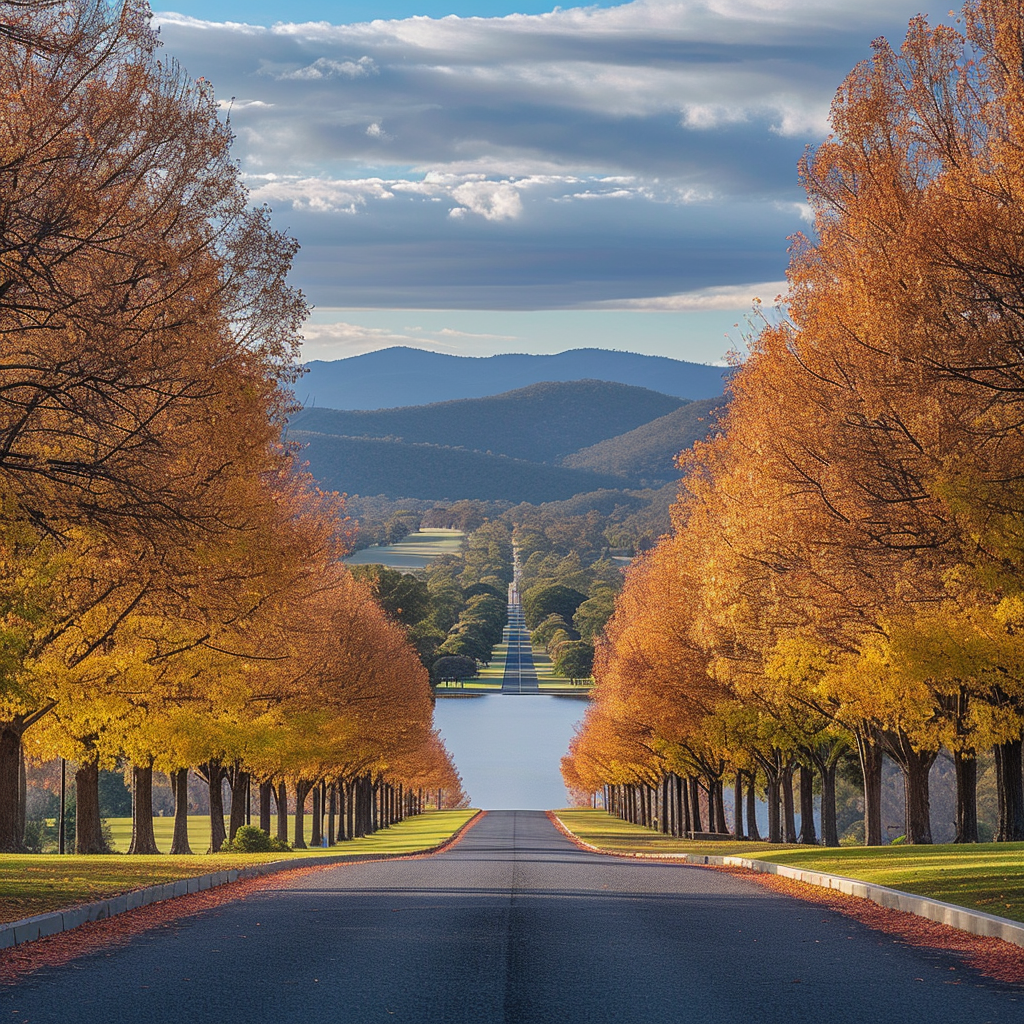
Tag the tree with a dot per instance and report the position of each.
(575, 660)
(141, 301)
(405, 598)
(453, 668)
(550, 599)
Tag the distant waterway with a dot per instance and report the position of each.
(508, 747)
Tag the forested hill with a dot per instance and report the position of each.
(648, 453)
(362, 465)
(541, 422)
(398, 376)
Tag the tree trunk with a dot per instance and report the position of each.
(88, 827)
(217, 832)
(213, 772)
(301, 792)
(10, 787)
(239, 799)
(1010, 783)
(774, 817)
(915, 786)
(788, 804)
(695, 805)
(807, 832)
(316, 837)
(179, 786)
(281, 799)
(682, 807)
(870, 754)
(332, 814)
(22, 795)
(753, 832)
(716, 797)
(737, 806)
(342, 812)
(829, 824)
(966, 765)
(143, 837)
(266, 789)
(914, 765)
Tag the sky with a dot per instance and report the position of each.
(488, 176)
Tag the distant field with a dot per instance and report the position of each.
(416, 551)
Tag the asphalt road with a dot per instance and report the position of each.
(520, 674)
(513, 925)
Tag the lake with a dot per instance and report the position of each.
(508, 747)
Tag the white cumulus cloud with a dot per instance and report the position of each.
(492, 200)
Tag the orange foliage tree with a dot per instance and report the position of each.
(860, 513)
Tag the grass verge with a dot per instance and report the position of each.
(987, 876)
(33, 884)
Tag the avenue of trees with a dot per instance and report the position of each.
(846, 562)
(171, 591)
(454, 616)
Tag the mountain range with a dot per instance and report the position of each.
(542, 443)
(393, 377)
(542, 422)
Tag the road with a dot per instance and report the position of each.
(520, 674)
(514, 925)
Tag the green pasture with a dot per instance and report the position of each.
(36, 883)
(983, 876)
(416, 551)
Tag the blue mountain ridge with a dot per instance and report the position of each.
(400, 376)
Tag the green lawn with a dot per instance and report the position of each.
(986, 876)
(469, 686)
(198, 831)
(416, 551)
(36, 883)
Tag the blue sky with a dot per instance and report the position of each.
(530, 178)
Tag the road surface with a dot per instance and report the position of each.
(520, 673)
(514, 925)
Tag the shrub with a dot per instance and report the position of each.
(252, 839)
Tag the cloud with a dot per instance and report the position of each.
(322, 195)
(339, 339)
(646, 88)
(323, 68)
(645, 152)
(492, 200)
(722, 297)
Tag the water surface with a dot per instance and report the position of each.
(508, 747)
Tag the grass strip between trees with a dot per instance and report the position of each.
(33, 884)
(988, 876)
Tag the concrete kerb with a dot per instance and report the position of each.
(974, 921)
(17, 933)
